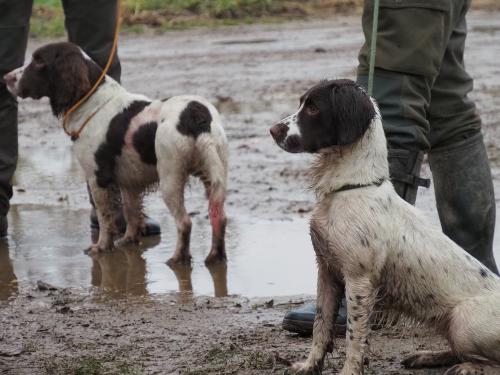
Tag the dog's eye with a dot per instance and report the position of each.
(37, 61)
(311, 110)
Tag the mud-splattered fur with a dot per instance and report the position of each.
(387, 257)
(133, 144)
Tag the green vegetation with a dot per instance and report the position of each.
(163, 15)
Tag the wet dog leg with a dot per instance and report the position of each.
(172, 190)
(431, 359)
(328, 302)
(132, 209)
(218, 220)
(360, 298)
(107, 202)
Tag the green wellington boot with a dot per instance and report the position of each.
(3, 226)
(465, 198)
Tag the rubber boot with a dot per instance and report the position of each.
(301, 320)
(404, 168)
(3, 226)
(465, 198)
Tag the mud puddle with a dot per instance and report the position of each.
(47, 242)
(264, 258)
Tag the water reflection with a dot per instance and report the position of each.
(47, 242)
(8, 280)
(122, 271)
(183, 274)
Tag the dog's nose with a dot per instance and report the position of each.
(10, 79)
(278, 131)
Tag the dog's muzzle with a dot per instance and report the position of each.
(290, 143)
(278, 132)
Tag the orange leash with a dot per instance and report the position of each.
(76, 134)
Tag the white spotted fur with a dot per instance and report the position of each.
(383, 250)
(178, 157)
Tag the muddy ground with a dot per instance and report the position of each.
(127, 313)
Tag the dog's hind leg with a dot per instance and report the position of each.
(360, 296)
(214, 178)
(107, 202)
(429, 359)
(474, 333)
(172, 183)
(216, 197)
(132, 209)
(328, 298)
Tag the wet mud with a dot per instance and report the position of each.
(127, 312)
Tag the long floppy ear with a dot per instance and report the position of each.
(70, 80)
(353, 112)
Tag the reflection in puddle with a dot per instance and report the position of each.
(266, 258)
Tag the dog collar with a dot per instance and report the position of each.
(359, 186)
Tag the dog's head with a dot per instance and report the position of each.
(332, 113)
(60, 71)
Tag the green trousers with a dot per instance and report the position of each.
(89, 23)
(422, 88)
(420, 80)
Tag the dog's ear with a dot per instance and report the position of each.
(353, 111)
(69, 80)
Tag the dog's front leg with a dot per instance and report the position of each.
(327, 306)
(132, 209)
(107, 202)
(360, 297)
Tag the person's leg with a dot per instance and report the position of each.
(459, 163)
(409, 51)
(91, 25)
(14, 27)
(410, 45)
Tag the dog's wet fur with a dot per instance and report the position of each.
(133, 144)
(378, 247)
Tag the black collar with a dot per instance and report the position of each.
(351, 187)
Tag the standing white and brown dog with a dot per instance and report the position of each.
(133, 143)
(370, 241)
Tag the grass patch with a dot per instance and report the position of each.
(163, 15)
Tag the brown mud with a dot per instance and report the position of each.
(127, 312)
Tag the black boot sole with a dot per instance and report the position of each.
(305, 329)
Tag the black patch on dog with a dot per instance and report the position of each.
(60, 72)
(343, 113)
(105, 156)
(194, 120)
(144, 142)
(483, 273)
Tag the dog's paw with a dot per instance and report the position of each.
(128, 240)
(303, 368)
(179, 261)
(466, 369)
(419, 360)
(430, 359)
(213, 259)
(96, 249)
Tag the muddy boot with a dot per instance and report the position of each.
(404, 167)
(464, 196)
(301, 320)
(3, 226)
